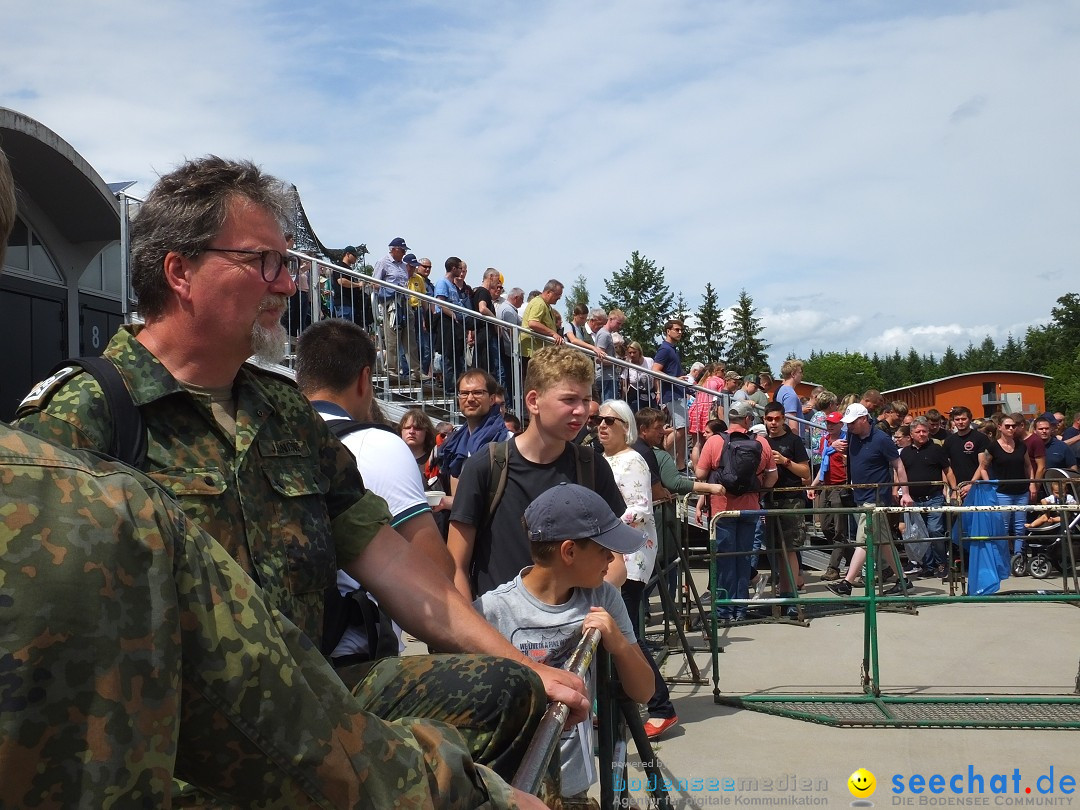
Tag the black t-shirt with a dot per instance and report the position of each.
(502, 550)
(482, 294)
(926, 463)
(1006, 466)
(791, 446)
(646, 452)
(964, 451)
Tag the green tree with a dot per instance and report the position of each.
(842, 372)
(577, 294)
(1054, 349)
(913, 368)
(950, 363)
(640, 290)
(748, 350)
(709, 342)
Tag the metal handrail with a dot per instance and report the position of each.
(537, 757)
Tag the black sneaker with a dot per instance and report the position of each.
(902, 586)
(840, 588)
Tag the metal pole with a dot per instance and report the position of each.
(536, 759)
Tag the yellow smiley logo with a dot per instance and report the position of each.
(862, 784)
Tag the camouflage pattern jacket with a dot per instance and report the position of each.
(284, 496)
(133, 648)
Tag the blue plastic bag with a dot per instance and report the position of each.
(988, 560)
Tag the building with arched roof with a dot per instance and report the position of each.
(61, 292)
(983, 392)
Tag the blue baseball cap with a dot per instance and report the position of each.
(572, 512)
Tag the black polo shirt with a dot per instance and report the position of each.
(926, 463)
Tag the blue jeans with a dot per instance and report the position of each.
(935, 524)
(609, 389)
(1014, 521)
(733, 573)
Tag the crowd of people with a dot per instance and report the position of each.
(218, 614)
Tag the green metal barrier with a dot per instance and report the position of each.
(872, 705)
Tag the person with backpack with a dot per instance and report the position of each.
(248, 459)
(743, 465)
(486, 537)
(355, 630)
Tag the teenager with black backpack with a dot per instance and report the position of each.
(743, 465)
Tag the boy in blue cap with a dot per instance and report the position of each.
(573, 536)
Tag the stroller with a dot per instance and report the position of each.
(1047, 545)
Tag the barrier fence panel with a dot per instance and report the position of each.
(872, 703)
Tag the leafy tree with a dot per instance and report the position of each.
(639, 290)
(748, 349)
(577, 294)
(842, 372)
(1054, 349)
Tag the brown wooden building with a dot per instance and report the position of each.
(984, 392)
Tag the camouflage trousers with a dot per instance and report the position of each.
(494, 703)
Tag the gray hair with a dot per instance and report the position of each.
(553, 284)
(186, 210)
(597, 312)
(920, 420)
(622, 410)
(515, 291)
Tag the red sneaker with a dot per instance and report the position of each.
(655, 726)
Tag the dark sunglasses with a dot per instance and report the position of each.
(610, 420)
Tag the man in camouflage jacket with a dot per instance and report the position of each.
(252, 464)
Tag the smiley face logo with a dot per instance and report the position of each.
(862, 784)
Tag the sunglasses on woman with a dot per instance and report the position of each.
(611, 420)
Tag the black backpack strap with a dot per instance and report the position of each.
(499, 474)
(128, 430)
(586, 466)
(343, 427)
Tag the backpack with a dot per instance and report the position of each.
(356, 609)
(738, 465)
(128, 442)
(499, 473)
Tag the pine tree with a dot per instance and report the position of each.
(950, 363)
(748, 351)
(577, 294)
(639, 290)
(710, 339)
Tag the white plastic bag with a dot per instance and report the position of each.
(916, 536)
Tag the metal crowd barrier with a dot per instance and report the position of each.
(873, 705)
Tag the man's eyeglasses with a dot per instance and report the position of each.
(610, 420)
(473, 394)
(270, 261)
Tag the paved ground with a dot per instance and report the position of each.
(972, 649)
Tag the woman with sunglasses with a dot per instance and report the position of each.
(630, 572)
(1006, 461)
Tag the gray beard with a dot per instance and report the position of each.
(268, 343)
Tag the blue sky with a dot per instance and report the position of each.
(875, 174)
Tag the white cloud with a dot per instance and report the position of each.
(875, 179)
